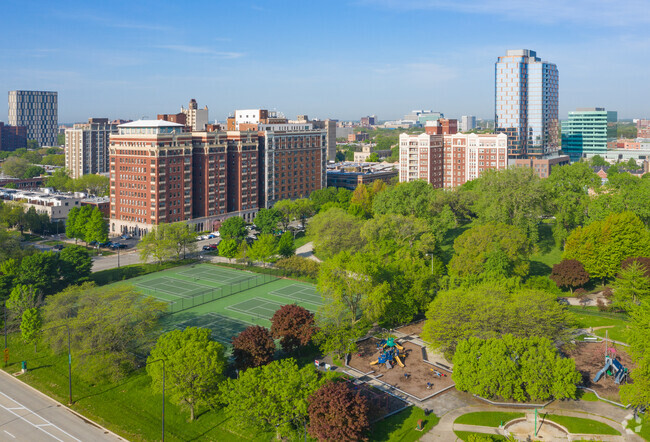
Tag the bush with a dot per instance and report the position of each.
(643, 261)
(299, 266)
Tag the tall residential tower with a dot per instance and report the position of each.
(526, 103)
(588, 131)
(38, 111)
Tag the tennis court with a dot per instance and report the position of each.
(189, 286)
(257, 307)
(223, 328)
(300, 292)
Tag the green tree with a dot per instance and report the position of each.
(15, 167)
(373, 158)
(568, 197)
(264, 248)
(514, 368)
(335, 231)
(60, 180)
(22, 298)
(75, 264)
(33, 171)
(157, 244)
(267, 220)
(603, 245)
(93, 184)
(60, 139)
(41, 270)
(194, 366)
(33, 221)
(286, 246)
(234, 228)
(631, 286)
(228, 248)
(361, 202)
(180, 238)
(31, 325)
(112, 324)
(96, 229)
(598, 161)
(339, 337)
(303, 208)
(637, 393)
(413, 198)
(511, 196)
(271, 397)
(72, 229)
(474, 248)
(287, 210)
(490, 310)
(32, 144)
(54, 160)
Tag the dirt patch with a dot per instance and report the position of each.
(413, 329)
(590, 358)
(419, 372)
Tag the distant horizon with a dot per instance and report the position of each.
(343, 60)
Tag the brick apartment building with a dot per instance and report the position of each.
(161, 173)
(441, 126)
(468, 155)
(12, 137)
(421, 158)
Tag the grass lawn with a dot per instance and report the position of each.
(464, 435)
(31, 237)
(487, 418)
(401, 426)
(301, 241)
(547, 255)
(644, 431)
(578, 425)
(131, 271)
(587, 396)
(129, 408)
(591, 317)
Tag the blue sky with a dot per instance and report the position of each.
(328, 59)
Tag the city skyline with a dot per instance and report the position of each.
(346, 60)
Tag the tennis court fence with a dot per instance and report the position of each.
(212, 294)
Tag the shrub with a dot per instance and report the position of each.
(297, 265)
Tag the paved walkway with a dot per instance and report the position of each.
(307, 251)
(598, 411)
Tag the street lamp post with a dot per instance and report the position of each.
(118, 257)
(69, 361)
(163, 396)
(4, 305)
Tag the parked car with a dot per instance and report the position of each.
(126, 236)
(58, 247)
(211, 236)
(117, 245)
(105, 244)
(216, 233)
(213, 246)
(92, 243)
(206, 248)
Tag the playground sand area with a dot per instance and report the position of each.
(419, 371)
(590, 358)
(412, 329)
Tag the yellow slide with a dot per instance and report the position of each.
(399, 361)
(399, 347)
(374, 362)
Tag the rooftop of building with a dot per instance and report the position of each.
(360, 168)
(150, 123)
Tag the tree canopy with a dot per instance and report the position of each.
(253, 347)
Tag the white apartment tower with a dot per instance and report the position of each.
(467, 123)
(526, 103)
(197, 118)
(421, 158)
(86, 147)
(38, 111)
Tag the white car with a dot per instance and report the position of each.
(216, 233)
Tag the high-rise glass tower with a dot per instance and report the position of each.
(38, 111)
(588, 131)
(526, 103)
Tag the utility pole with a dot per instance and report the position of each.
(163, 396)
(69, 361)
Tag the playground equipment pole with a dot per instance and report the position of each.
(163, 397)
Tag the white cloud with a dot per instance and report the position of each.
(200, 50)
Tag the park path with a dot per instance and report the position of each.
(598, 411)
(307, 251)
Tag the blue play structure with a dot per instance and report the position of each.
(612, 367)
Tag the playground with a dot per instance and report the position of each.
(417, 378)
(590, 361)
(222, 299)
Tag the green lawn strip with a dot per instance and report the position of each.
(588, 318)
(579, 425)
(548, 254)
(129, 407)
(487, 418)
(464, 435)
(301, 241)
(401, 426)
(588, 396)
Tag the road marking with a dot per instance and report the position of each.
(22, 407)
(9, 434)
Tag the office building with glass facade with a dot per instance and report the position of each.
(38, 112)
(588, 131)
(526, 103)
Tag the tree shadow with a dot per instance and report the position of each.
(538, 268)
(546, 241)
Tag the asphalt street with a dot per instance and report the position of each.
(27, 415)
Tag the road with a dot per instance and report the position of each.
(28, 415)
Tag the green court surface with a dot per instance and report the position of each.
(226, 300)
